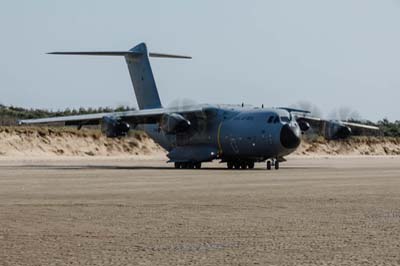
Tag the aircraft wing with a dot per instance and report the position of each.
(146, 116)
(316, 121)
(335, 129)
(357, 125)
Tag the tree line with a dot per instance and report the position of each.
(9, 115)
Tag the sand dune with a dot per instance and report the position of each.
(352, 146)
(35, 141)
(31, 141)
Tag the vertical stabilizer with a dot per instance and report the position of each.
(142, 77)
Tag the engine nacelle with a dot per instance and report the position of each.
(336, 130)
(304, 126)
(113, 127)
(174, 123)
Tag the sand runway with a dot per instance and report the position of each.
(339, 211)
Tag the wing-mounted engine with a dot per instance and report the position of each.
(114, 127)
(333, 129)
(304, 125)
(174, 123)
(336, 130)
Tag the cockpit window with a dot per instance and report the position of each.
(276, 119)
(270, 119)
(285, 119)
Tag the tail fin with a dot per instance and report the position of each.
(140, 71)
(142, 78)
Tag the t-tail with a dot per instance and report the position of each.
(140, 71)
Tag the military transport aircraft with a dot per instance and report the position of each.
(238, 135)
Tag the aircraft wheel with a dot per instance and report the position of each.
(236, 165)
(191, 165)
(243, 165)
(229, 164)
(197, 165)
(276, 165)
(268, 165)
(185, 165)
(250, 165)
(178, 165)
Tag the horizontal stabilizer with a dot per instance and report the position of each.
(116, 53)
(122, 53)
(169, 56)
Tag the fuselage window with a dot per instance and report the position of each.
(276, 119)
(285, 119)
(270, 119)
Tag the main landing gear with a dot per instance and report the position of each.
(187, 165)
(240, 164)
(274, 163)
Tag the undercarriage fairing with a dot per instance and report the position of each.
(193, 153)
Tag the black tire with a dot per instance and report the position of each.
(178, 165)
(250, 165)
(243, 165)
(229, 165)
(197, 165)
(268, 165)
(276, 165)
(236, 165)
(191, 165)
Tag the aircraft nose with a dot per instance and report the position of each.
(290, 137)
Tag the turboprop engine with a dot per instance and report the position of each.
(336, 130)
(113, 127)
(174, 123)
(304, 126)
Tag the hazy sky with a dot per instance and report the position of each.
(331, 53)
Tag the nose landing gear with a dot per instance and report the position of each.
(276, 165)
(268, 165)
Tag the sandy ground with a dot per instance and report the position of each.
(125, 212)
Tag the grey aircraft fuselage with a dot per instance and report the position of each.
(232, 133)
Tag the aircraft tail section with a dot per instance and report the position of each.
(142, 78)
(140, 71)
